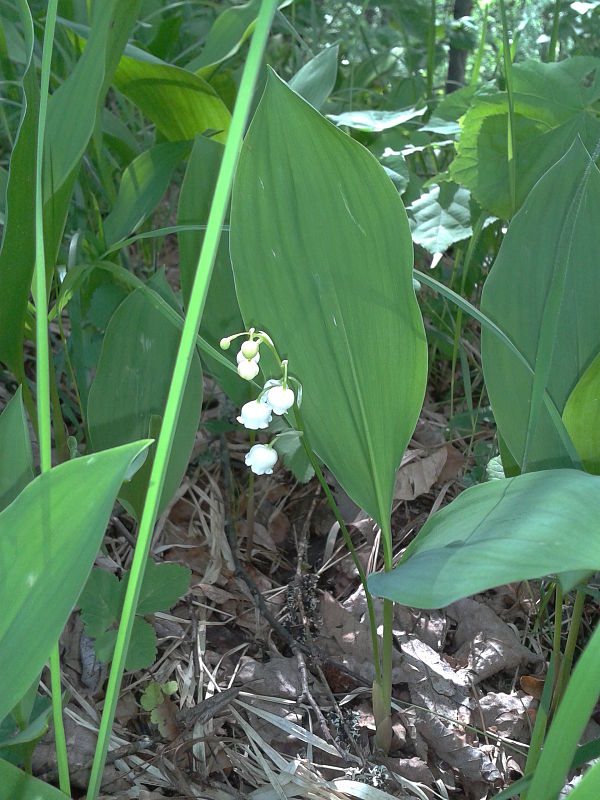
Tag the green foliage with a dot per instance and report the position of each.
(16, 472)
(16, 783)
(503, 531)
(545, 277)
(50, 535)
(129, 392)
(581, 416)
(307, 247)
(102, 599)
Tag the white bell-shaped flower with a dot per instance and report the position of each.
(261, 459)
(255, 415)
(280, 399)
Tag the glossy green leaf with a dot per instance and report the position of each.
(179, 103)
(553, 104)
(18, 784)
(49, 537)
(221, 312)
(16, 464)
(128, 395)
(506, 530)
(440, 217)
(322, 260)
(375, 121)
(544, 279)
(316, 79)
(143, 184)
(581, 416)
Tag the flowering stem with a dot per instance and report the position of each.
(250, 509)
(361, 573)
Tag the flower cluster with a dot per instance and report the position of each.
(276, 397)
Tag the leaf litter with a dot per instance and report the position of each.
(271, 653)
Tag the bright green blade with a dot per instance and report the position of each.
(581, 416)
(322, 259)
(17, 784)
(16, 465)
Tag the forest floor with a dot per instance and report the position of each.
(271, 650)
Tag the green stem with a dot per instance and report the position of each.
(567, 661)
(558, 616)
(511, 144)
(42, 365)
(336, 512)
(383, 708)
(554, 34)
(430, 50)
(185, 354)
(479, 54)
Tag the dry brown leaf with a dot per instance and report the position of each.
(417, 476)
(489, 644)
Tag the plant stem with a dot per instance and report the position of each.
(43, 362)
(250, 508)
(511, 144)
(336, 512)
(430, 51)
(554, 34)
(479, 54)
(564, 672)
(558, 609)
(384, 706)
(183, 361)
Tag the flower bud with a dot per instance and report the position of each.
(249, 348)
(255, 415)
(225, 343)
(280, 399)
(261, 459)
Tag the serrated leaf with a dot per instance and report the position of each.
(100, 601)
(152, 696)
(142, 646)
(163, 586)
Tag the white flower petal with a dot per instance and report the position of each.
(280, 399)
(255, 415)
(247, 369)
(261, 459)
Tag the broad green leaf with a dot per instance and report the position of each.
(506, 530)
(179, 103)
(163, 586)
(221, 312)
(316, 79)
(441, 217)
(322, 260)
(49, 537)
(581, 416)
(129, 392)
(143, 184)
(544, 293)
(16, 464)
(100, 601)
(18, 784)
(553, 103)
(375, 121)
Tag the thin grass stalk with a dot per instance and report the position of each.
(348, 540)
(511, 144)
(479, 53)
(554, 33)
(541, 724)
(558, 617)
(182, 365)
(567, 660)
(43, 364)
(430, 50)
